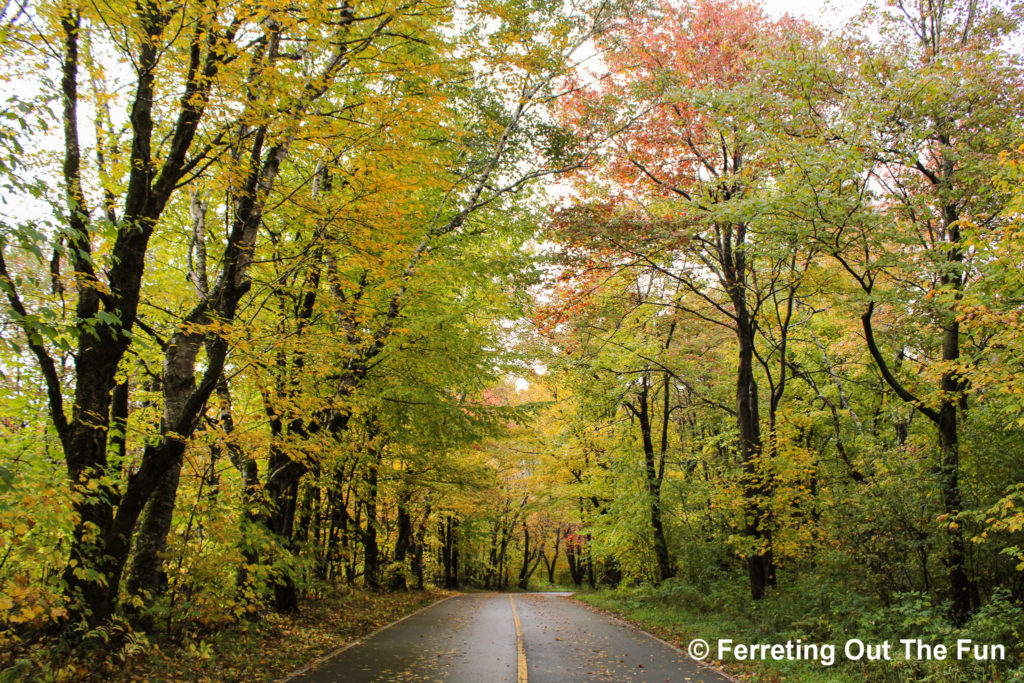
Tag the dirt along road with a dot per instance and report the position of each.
(508, 638)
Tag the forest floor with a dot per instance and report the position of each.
(273, 645)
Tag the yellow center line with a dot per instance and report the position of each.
(521, 667)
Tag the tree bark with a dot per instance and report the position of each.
(653, 482)
(147, 577)
(552, 563)
(574, 558)
(396, 580)
(760, 567)
(419, 547)
(531, 558)
(450, 552)
(371, 551)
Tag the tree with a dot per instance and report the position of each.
(696, 175)
(920, 147)
(108, 291)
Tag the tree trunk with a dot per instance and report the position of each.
(403, 542)
(419, 547)
(574, 558)
(591, 577)
(949, 464)
(491, 575)
(282, 491)
(147, 576)
(178, 384)
(760, 567)
(653, 482)
(450, 552)
(371, 551)
(531, 558)
(552, 562)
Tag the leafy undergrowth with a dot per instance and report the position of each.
(679, 612)
(275, 644)
(265, 648)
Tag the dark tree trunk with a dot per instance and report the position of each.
(281, 497)
(591, 576)
(339, 542)
(953, 388)
(450, 552)
(574, 558)
(506, 538)
(531, 558)
(455, 577)
(419, 547)
(653, 480)
(352, 557)
(490, 575)
(147, 576)
(760, 567)
(403, 542)
(371, 551)
(960, 587)
(551, 563)
(949, 463)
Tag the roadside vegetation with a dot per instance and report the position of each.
(268, 646)
(812, 612)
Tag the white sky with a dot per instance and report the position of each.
(831, 14)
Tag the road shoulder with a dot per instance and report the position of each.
(676, 641)
(322, 659)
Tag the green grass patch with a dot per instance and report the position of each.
(814, 612)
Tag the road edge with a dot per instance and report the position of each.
(323, 659)
(625, 622)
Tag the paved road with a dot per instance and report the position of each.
(502, 638)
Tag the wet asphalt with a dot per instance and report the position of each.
(473, 639)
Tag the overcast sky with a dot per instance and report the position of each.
(829, 13)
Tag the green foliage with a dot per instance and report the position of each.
(820, 612)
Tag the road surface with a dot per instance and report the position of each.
(502, 638)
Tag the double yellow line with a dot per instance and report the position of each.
(521, 666)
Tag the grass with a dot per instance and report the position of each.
(678, 612)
